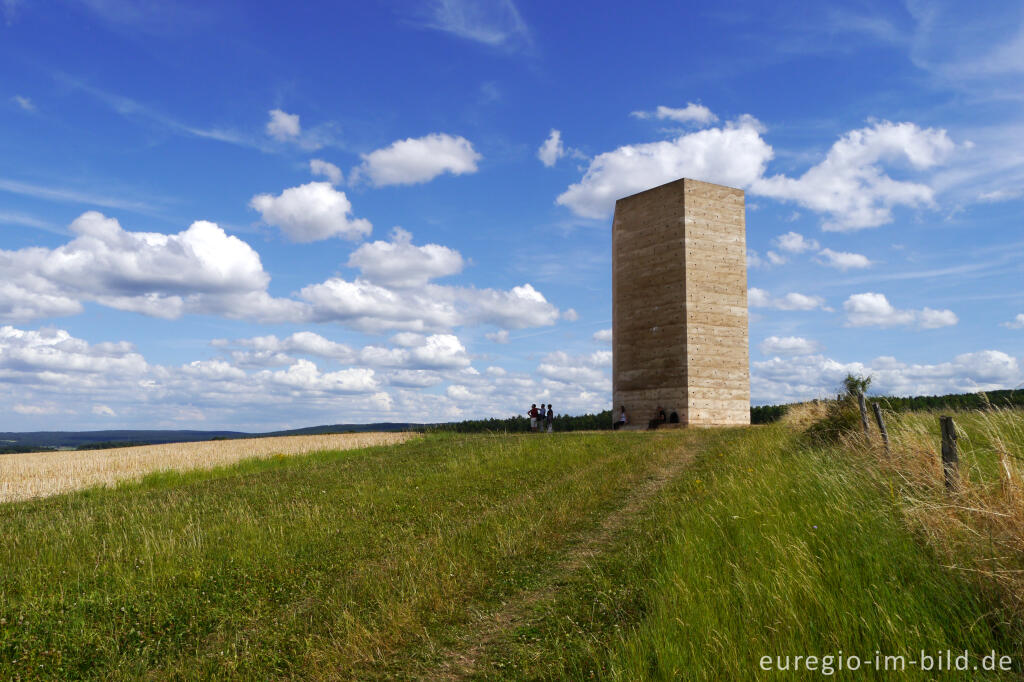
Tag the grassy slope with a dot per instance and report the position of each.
(332, 562)
(763, 547)
(374, 563)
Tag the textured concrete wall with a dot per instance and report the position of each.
(679, 304)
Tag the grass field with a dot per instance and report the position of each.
(677, 555)
(41, 474)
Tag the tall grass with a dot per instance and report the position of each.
(977, 528)
(768, 546)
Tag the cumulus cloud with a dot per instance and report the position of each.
(1015, 323)
(416, 160)
(311, 212)
(733, 155)
(794, 242)
(691, 113)
(306, 376)
(371, 307)
(270, 349)
(850, 186)
(326, 169)
(283, 126)
(789, 379)
(439, 351)
(399, 263)
(200, 269)
(603, 335)
(43, 368)
(843, 260)
(552, 150)
(789, 345)
(587, 371)
(759, 298)
(871, 309)
(52, 351)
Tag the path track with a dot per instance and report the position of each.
(461, 662)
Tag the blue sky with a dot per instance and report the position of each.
(257, 216)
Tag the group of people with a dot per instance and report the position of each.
(541, 419)
(656, 421)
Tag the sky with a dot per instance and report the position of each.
(254, 216)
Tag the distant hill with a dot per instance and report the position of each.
(74, 439)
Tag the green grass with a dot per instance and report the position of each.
(382, 563)
(763, 548)
(341, 563)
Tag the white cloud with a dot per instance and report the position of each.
(283, 126)
(103, 411)
(306, 376)
(871, 309)
(407, 339)
(586, 371)
(24, 102)
(775, 258)
(1015, 323)
(399, 263)
(311, 212)
(570, 315)
(413, 378)
(34, 409)
(371, 307)
(691, 113)
(794, 242)
(759, 298)
(754, 260)
(439, 351)
(496, 23)
(1001, 195)
(302, 343)
(603, 335)
(415, 160)
(54, 351)
(850, 186)
(326, 169)
(733, 155)
(789, 345)
(500, 336)
(200, 269)
(552, 150)
(789, 379)
(843, 260)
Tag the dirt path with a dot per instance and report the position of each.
(461, 663)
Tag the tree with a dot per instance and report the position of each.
(852, 385)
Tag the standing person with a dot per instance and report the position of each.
(623, 419)
(550, 421)
(533, 417)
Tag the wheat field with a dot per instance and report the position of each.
(41, 474)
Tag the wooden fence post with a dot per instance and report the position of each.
(881, 426)
(949, 457)
(863, 415)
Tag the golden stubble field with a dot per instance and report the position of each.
(41, 474)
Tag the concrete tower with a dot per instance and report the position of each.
(679, 304)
